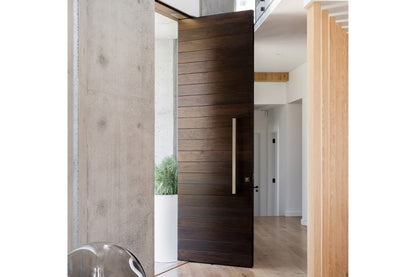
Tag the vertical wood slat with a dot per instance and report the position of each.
(335, 198)
(327, 145)
(314, 144)
(326, 128)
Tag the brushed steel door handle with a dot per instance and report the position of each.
(234, 156)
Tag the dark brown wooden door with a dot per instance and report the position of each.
(216, 84)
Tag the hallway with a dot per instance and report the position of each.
(279, 250)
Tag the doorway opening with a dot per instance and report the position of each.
(166, 143)
(280, 118)
(277, 143)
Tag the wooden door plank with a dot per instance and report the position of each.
(212, 234)
(214, 212)
(223, 42)
(215, 99)
(213, 189)
(235, 110)
(228, 63)
(237, 74)
(210, 31)
(204, 167)
(225, 54)
(220, 21)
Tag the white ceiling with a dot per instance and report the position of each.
(339, 10)
(280, 42)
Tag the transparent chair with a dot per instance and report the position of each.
(103, 260)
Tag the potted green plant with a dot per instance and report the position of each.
(166, 210)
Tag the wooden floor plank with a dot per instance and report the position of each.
(279, 250)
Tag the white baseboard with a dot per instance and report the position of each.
(304, 222)
(292, 213)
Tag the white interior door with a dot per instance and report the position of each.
(273, 180)
(257, 174)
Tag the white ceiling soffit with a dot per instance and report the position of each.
(190, 7)
(165, 28)
(337, 9)
(280, 42)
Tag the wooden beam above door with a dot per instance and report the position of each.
(271, 76)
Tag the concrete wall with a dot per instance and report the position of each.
(116, 126)
(165, 98)
(211, 7)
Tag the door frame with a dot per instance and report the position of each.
(318, 64)
(257, 174)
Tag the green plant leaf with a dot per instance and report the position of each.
(166, 176)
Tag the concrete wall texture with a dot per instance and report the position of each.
(210, 7)
(116, 125)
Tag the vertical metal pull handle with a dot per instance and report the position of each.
(234, 156)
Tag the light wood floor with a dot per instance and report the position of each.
(163, 267)
(279, 250)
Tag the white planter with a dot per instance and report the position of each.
(166, 228)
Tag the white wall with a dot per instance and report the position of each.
(270, 93)
(165, 98)
(287, 117)
(297, 84)
(166, 34)
(294, 160)
(297, 89)
(165, 28)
